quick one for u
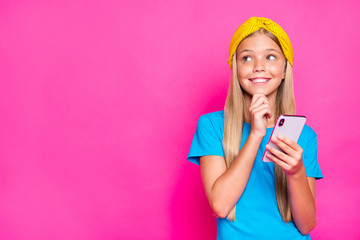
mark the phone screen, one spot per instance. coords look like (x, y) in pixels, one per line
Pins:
(289, 126)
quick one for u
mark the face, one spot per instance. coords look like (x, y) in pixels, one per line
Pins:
(260, 65)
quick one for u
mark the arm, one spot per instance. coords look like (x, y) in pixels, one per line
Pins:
(224, 186)
(301, 188)
(302, 202)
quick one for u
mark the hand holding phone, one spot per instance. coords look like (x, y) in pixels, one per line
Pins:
(289, 126)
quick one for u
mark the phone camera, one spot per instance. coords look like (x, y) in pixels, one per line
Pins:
(281, 122)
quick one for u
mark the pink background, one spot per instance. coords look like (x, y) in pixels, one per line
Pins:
(99, 102)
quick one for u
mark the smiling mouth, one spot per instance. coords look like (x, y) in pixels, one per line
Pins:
(259, 80)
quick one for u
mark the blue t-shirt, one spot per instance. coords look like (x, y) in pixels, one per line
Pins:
(257, 214)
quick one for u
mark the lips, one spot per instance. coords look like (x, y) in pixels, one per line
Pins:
(259, 80)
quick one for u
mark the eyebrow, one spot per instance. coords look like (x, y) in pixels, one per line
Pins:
(268, 49)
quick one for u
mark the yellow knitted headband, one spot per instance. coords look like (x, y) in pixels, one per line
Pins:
(252, 25)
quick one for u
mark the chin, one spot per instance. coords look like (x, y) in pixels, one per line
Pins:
(260, 92)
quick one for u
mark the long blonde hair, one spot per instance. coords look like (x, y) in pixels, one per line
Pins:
(234, 122)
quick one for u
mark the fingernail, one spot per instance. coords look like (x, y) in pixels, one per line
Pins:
(280, 137)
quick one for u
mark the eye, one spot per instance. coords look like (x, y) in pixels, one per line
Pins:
(246, 58)
(271, 57)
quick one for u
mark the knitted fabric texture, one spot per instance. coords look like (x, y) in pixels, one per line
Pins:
(252, 25)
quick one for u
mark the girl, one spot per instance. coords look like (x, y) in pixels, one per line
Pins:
(251, 198)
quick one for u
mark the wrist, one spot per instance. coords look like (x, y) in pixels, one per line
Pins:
(257, 136)
(301, 173)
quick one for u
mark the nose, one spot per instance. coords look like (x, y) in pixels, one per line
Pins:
(259, 66)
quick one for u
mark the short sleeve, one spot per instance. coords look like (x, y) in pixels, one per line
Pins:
(207, 140)
(310, 159)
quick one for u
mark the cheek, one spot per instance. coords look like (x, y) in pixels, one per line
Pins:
(243, 71)
(277, 71)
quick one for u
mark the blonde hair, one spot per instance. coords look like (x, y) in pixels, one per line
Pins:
(234, 122)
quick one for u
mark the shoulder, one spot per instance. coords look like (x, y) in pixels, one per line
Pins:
(308, 131)
(214, 116)
(308, 141)
(307, 137)
(214, 119)
(211, 123)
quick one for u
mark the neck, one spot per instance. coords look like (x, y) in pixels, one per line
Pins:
(272, 102)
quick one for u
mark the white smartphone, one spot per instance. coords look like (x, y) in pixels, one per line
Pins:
(289, 126)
